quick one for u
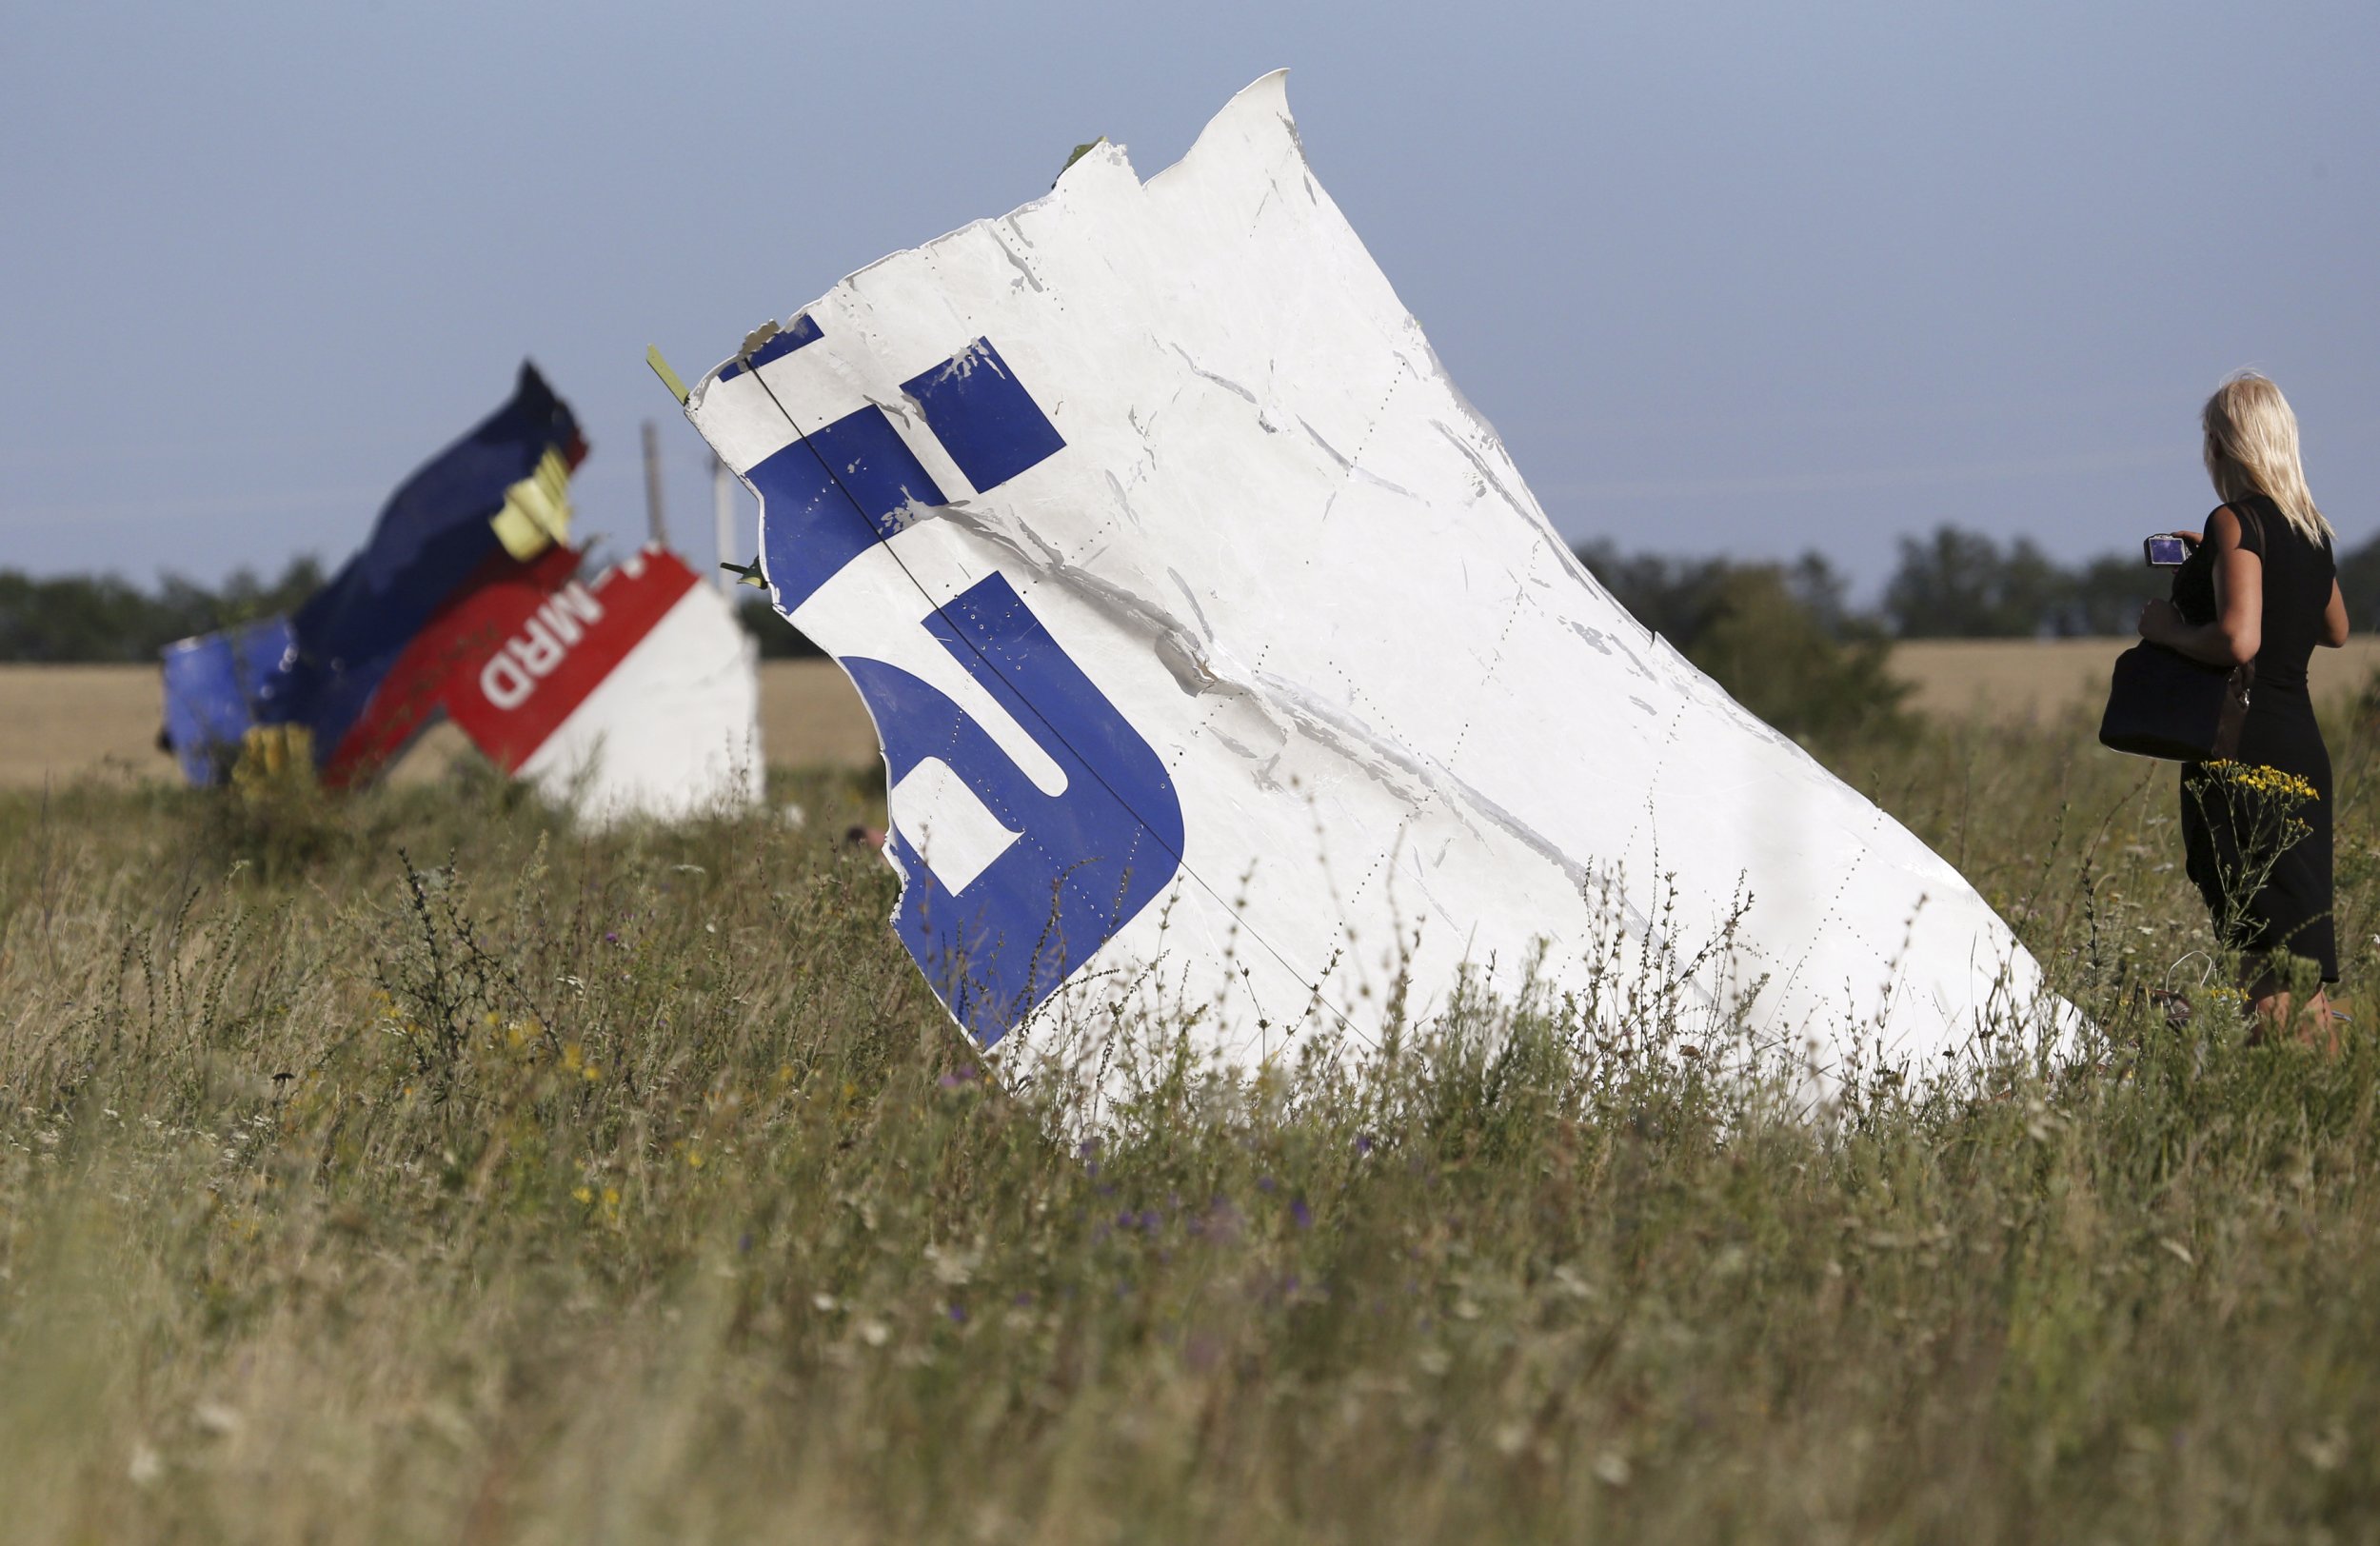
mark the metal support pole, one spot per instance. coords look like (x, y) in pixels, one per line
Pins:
(655, 522)
(723, 524)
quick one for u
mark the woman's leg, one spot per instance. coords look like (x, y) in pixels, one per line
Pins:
(2267, 992)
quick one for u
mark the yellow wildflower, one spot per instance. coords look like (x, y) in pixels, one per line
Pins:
(2259, 779)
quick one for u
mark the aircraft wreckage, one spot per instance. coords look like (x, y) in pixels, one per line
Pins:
(1228, 674)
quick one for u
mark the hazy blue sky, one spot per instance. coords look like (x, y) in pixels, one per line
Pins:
(1741, 278)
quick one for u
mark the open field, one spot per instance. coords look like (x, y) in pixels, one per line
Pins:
(630, 1187)
(61, 720)
(2041, 680)
(58, 721)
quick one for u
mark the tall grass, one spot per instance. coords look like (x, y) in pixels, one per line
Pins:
(412, 1167)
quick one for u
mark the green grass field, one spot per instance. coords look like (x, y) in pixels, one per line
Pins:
(411, 1168)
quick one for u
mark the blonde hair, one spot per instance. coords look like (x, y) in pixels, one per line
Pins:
(2252, 448)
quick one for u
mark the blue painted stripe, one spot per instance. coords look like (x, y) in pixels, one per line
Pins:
(984, 416)
(1088, 860)
(827, 499)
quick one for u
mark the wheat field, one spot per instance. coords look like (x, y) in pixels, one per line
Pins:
(65, 721)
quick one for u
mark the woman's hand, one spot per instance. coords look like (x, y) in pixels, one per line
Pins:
(2158, 621)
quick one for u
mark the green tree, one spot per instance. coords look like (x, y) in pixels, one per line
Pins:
(1962, 585)
(1674, 597)
(102, 618)
(2359, 582)
(778, 638)
(1781, 639)
(2104, 597)
(1773, 651)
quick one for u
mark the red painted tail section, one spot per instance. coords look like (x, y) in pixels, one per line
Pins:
(543, 655)
(414, 691)
(522, 646)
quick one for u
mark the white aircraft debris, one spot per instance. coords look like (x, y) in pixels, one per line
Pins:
(633, 693)
(1226, 669)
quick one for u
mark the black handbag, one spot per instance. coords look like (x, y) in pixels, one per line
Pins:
(2163, 704)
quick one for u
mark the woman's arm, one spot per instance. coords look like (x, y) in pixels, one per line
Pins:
(2335, 619)
(2238, 632)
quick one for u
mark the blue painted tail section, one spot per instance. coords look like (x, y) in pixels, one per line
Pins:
(431, 537)
(214, 687)
(322, 666)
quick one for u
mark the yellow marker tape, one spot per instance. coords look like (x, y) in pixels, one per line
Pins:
(272, 754)
(1080, 152)
(668, 377)
(537, 509)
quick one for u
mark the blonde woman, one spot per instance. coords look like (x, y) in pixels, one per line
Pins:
(2262, 585)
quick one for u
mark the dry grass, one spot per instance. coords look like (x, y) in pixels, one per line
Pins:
(555, 1187)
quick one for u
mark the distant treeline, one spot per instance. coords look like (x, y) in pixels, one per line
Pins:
(1779, 637)
(778, 640)
(1952, 584)
(81, 618)
(87, 619)
(1783, 639)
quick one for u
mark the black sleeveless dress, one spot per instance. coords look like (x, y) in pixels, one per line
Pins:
(2291, 911)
